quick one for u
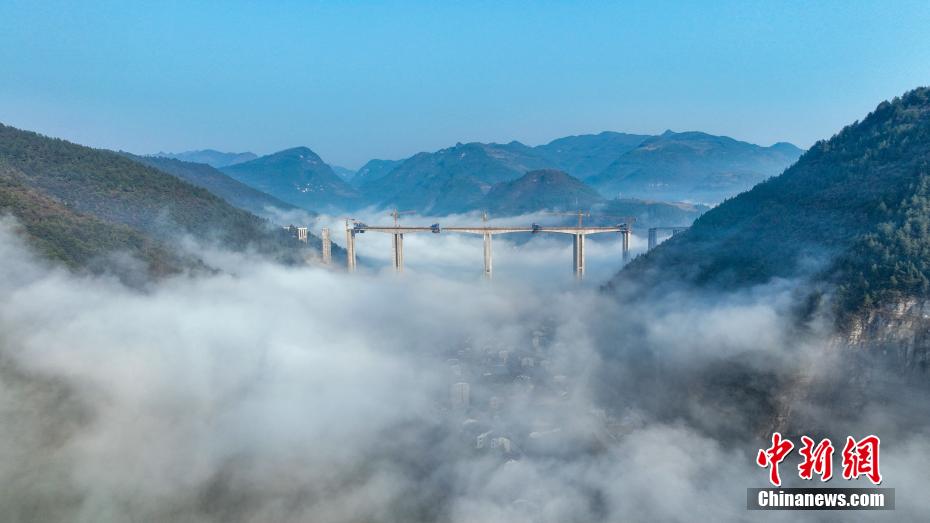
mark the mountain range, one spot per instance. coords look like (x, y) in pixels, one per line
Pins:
(688, 166)
(852, 215)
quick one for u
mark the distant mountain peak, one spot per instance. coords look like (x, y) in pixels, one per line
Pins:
(297, 176)
(786, 146)
(537, 190)
(297, 152)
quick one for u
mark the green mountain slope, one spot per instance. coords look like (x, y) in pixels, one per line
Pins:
(118, 191)
(79, 241)
(852, 214)
(213, 180)
(537, 190)
(297, 176)
(692, 166)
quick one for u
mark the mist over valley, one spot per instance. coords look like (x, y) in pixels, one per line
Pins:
(461, 263)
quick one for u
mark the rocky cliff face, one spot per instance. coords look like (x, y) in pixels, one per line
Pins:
(898, 334)
(875, 367)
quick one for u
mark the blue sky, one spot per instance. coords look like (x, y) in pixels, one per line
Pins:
(361, 80)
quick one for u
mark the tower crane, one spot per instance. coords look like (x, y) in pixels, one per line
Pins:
(581, 214)
(396, 214)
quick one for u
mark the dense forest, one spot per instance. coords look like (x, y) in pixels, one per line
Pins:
(78, 241)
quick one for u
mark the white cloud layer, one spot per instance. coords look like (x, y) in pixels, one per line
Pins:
(301, 394)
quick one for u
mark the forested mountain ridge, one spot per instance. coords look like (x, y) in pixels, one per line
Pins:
(233, 191)
(297, 176)
(689, 166)
(548, 189)
(78, 241)
(134, 202)
(852, 214)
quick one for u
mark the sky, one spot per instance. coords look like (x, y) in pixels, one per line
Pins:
(361, 80)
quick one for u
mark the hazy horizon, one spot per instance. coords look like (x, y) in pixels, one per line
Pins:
(356, 167)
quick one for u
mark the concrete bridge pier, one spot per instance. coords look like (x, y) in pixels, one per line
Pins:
(398, 247)
(350, 249)
(578, 250)
(653, 239)
(626, 245)
(487, 255)
(327, 253)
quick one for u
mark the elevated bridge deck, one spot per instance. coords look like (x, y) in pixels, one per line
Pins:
(578, 234)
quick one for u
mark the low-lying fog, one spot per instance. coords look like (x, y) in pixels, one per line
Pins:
(543, 259)
(271, 394)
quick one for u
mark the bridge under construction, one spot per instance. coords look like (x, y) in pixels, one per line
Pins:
(354, 228)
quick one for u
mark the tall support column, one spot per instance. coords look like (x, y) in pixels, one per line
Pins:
(398, 252)
(578, 249)
(350, 249)
(652, 239)
(487, 255)
(626, 244)
(327, 253)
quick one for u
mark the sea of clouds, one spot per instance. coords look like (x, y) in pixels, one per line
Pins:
(264, 393)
